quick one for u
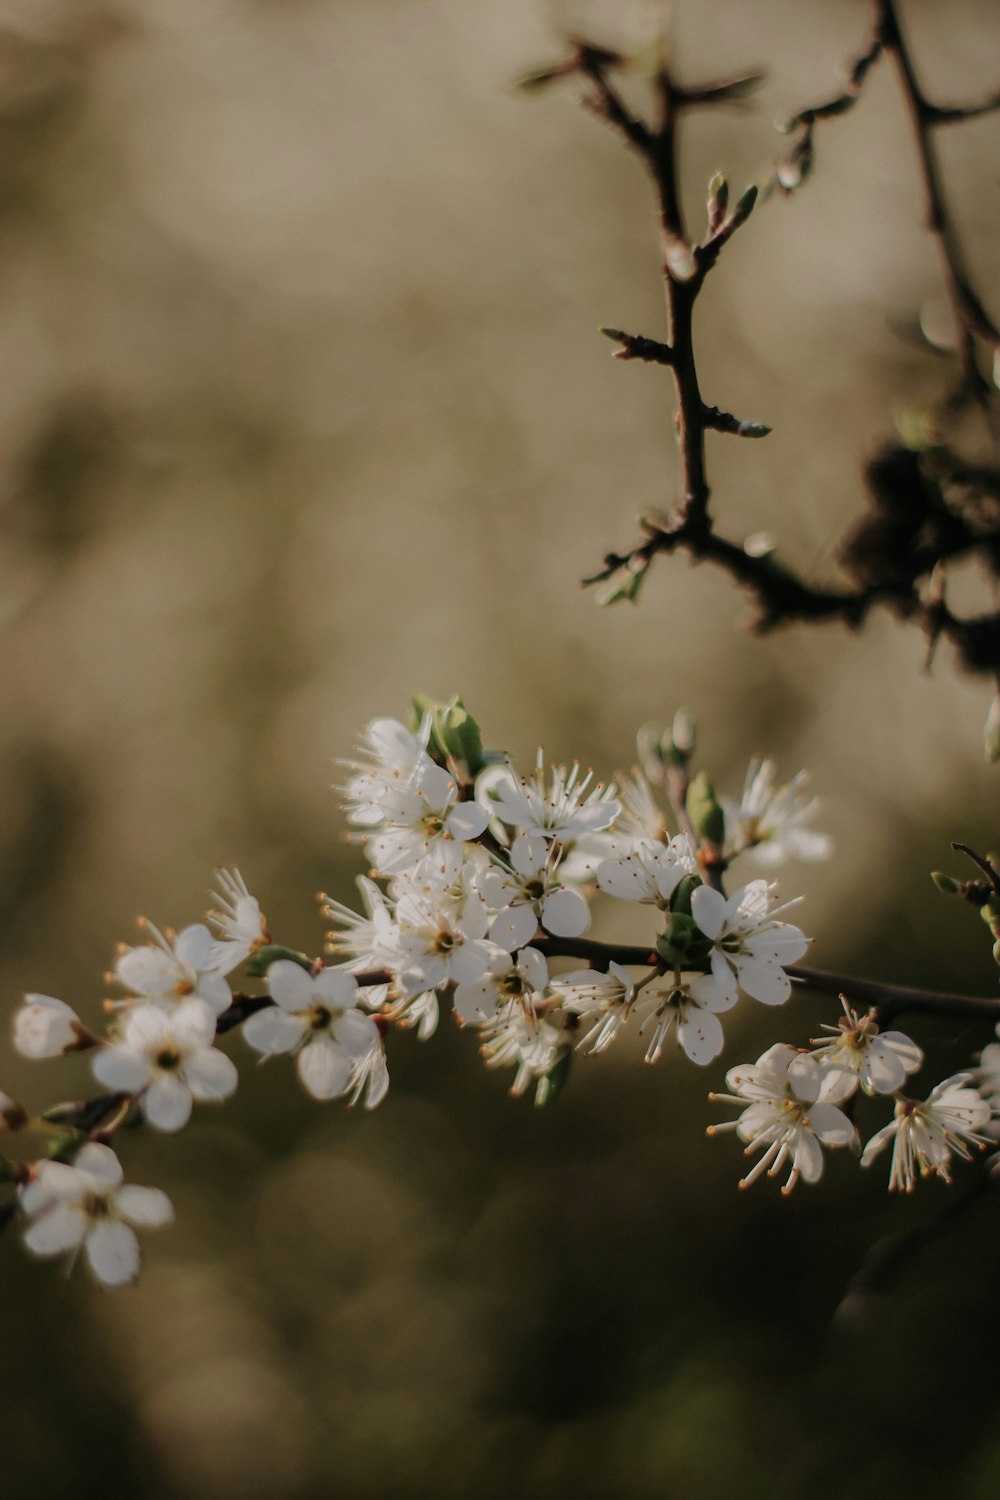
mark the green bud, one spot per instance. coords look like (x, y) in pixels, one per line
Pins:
(718, 200)
(552, 1083)
(270, 954)
(680, 901)
(946, 883)
(704, 810)
(454, 734)
(683, 733)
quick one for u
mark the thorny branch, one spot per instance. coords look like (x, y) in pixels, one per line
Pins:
(925, 508)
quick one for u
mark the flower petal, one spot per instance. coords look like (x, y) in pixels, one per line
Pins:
(167, 1103)
(113, 1253)
(210, 1074)
(323, 1068)
(565, 914)
(274, 1030)
(145, 1207)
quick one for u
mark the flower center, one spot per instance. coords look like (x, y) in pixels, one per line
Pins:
(444, 942)
(320, 1017)
(534, 889)
(168, 1059)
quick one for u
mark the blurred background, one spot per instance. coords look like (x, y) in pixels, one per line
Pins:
(303, 408)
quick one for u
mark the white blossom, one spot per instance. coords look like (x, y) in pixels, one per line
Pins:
(391, 754)
(771, 821)
(790, 1113)
(602, 1001)
(85, 1206)
(421, 816)
(438, 942)
(314, 1016)
(167, 1059)
(926, 1135)
(533, 1046)
(693, 1004)
(651, 873)
(238, 920)
(529, 893)
(364, 943)
(46, 1027)
(878, 1061)
(566, 809)
(750, 946)
(174, 966)
(506, 981)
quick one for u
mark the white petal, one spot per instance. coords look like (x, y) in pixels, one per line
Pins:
(709, 910)
(878, 1142)
(274, 1030)
(467, 821)
(145, 1207)
(290, 985)
(113, 1253)
(167, 1103)
(565, 914)
(210, 1074)
(336, 988)
(806, 1077)
(119, 1067)
(532, 967)
(700, 1034)
(831, 1125)
(476, 1002)
(194, 947)
(354, 1033)
(147, 971)
(62, 1228)
(215, 992)
(100, 1162)
(468, 961)
(808, 1157)
(323, 1068)
(627, 879)
(764, 982)
(711, 995)
(193, 1025)
(514, 927)
(146, 1028)
(528, 853)
(44, 1027)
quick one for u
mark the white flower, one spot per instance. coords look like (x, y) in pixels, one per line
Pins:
(316, 1017)
(179, 966)
(652, 872)
(420, 818)
(926, 1135)
(239, 921)
(791, 1111)
(879, 1061)
(166, 1057)
(771, 820)
(751, 948)
(529, 893)
(566, 810)
(506, 981)
(694, 1004)
(365, 942)
(86, 1206)
(437, 942)
(45, 1027)
(391, 754)
(605, 1000)
(534, 1047)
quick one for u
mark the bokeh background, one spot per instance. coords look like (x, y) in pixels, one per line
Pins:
(302, 409)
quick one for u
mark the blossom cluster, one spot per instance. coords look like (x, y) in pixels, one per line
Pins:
(479, 894)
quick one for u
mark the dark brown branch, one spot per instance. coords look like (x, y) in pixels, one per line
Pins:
(971, 318)
(635, 346)
(893, 999)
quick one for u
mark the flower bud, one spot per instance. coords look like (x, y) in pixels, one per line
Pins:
(947, 884)
(705, 812)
